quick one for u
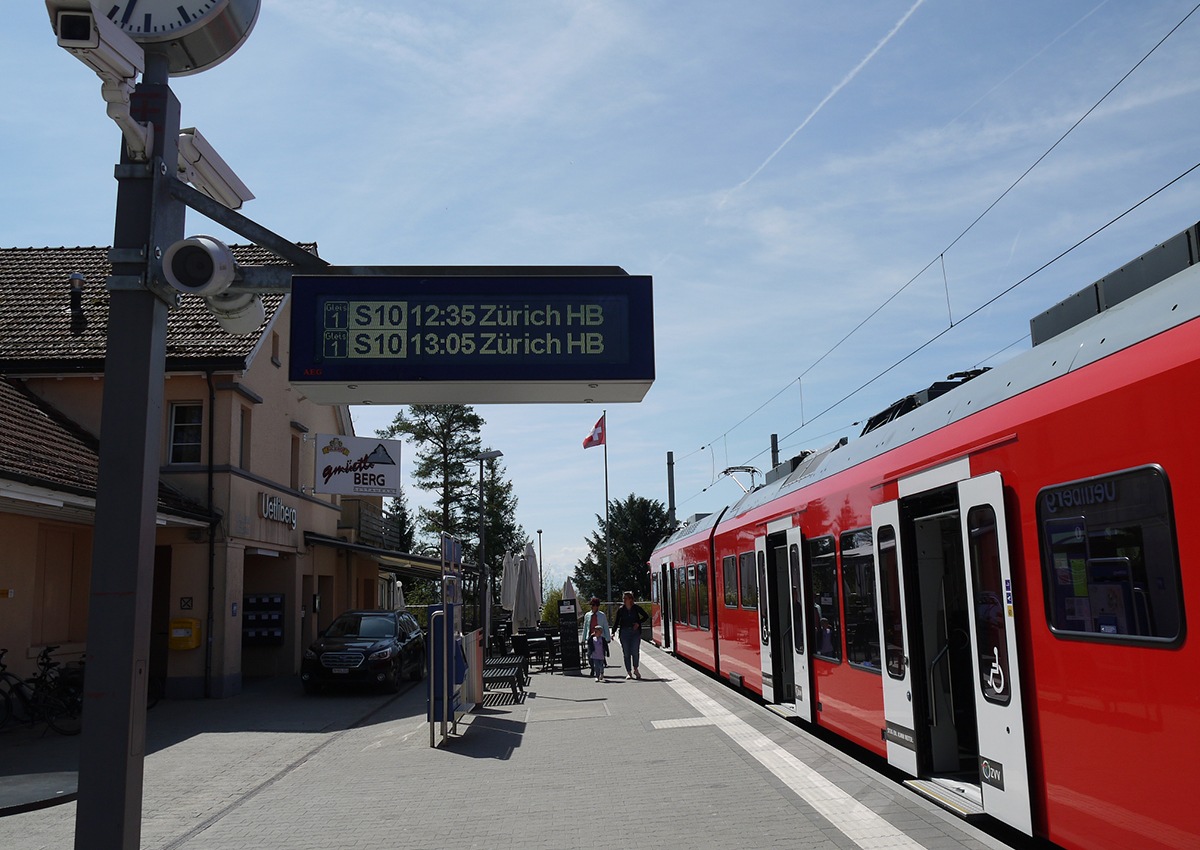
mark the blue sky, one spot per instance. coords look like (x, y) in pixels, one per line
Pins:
(780, 168)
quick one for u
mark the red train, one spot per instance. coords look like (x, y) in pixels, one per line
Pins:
(990, 586)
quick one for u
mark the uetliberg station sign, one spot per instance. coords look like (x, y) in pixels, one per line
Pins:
(452, 340)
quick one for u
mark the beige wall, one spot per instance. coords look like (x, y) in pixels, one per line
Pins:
(247, 552)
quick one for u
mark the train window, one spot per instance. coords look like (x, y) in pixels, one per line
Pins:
(729, 574)
(682, 593)
(748, 583)
(858, 587)
(1110, 567)
(893, 613)
(797, 598)
(827, 620)
(693, 611)
(991, 630)
(764, 616)
(702, 593)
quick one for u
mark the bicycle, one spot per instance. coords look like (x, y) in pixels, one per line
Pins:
(53, 696)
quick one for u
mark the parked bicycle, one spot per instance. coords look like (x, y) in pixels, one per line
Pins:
(53, 696)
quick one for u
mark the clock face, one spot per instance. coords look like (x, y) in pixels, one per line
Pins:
(156, 19)
(196, 34)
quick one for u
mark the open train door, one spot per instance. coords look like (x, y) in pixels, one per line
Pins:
(1003, 770)
(799, 626)
(899, 732)
(766, 600)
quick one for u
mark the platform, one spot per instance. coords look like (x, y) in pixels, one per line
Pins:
(674, 759)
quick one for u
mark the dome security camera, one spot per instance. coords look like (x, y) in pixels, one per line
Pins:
(199, 265)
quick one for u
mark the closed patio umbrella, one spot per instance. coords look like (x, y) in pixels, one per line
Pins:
(508, 582)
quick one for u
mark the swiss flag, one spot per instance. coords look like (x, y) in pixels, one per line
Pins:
(596, 438)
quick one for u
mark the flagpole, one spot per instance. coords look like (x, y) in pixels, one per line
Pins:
(607, 529)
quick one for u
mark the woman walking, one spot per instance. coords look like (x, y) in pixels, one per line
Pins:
(628, 623)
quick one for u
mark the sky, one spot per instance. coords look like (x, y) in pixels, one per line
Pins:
(830, 197)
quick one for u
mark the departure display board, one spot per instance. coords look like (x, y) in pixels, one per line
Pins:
(423, 340)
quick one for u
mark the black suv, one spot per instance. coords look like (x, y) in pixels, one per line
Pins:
(366, 647)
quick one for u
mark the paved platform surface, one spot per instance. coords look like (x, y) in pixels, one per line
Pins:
(675, 759)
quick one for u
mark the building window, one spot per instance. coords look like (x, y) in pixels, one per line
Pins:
(187, 429)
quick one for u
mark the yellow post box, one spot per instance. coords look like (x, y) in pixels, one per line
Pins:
(185, 633)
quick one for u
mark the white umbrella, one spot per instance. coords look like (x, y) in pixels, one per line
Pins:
(568, 589)
(526, 610)
(508, 582)
(531, 562)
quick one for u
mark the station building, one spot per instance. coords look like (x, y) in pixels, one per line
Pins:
(249, 561)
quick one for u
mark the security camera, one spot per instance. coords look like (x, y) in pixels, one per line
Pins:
(204, 266)
(238, 313)
(199, 265)
(95, 40)
(202, 166)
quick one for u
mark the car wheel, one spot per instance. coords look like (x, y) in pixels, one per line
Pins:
(392, 683)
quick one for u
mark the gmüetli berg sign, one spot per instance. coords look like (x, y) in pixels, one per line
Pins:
(357, 465)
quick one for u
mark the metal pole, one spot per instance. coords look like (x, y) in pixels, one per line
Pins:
(485, 601)
(112, 751)
(607, 529)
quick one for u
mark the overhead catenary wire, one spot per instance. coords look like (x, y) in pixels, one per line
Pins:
(940, 257)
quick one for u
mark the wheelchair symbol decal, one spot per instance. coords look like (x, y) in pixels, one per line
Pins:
(996, 674)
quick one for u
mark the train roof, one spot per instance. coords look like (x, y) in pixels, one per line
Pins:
(1130, 305)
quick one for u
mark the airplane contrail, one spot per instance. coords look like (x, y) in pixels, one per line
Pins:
(832, 93)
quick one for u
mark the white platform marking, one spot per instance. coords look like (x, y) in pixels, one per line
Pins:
(861, 825)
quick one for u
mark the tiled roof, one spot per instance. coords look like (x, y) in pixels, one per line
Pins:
(42, 447)
(35, 322)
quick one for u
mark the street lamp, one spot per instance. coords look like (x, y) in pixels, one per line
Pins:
(485, 575)
(541, 582)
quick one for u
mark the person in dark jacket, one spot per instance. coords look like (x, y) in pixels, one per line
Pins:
(627, 622)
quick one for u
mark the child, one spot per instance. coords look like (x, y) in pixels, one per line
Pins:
(597, 650)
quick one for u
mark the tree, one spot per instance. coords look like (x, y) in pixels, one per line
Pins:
(635, 526)
(503, 534)
(447, 436)
(401, 532)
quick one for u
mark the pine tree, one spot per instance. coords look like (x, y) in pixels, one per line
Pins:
(447, 439)
(400, 530)
(636, 526)
(503, 533)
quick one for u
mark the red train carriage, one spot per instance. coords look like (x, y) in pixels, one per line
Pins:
(988, 587)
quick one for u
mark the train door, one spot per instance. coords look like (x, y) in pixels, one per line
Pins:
(766, 621)
(952, 717)
(776, 634)
(900, 734)
(1003, 769)
(662, 595)
(796, 593)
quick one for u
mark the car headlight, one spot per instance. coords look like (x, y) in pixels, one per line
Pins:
(309, 654)
(381, 655)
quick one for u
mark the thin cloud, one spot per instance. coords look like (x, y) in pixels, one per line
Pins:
(832, 93)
